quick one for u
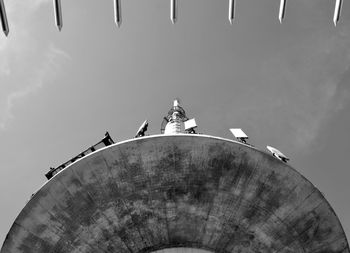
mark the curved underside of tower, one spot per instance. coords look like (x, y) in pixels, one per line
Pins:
(180, 191)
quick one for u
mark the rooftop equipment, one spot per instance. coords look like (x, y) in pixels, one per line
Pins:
(278, 154)
(239, 134)
(106, 141)
(142, 129)
(190, 125)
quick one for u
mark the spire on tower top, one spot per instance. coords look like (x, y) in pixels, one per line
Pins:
(176, 102)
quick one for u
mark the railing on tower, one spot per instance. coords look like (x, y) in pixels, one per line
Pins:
(106, 141)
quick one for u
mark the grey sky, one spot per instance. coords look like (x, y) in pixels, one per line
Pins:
(285, 85)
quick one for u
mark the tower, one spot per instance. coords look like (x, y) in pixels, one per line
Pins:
(173, 193)
(176, 118)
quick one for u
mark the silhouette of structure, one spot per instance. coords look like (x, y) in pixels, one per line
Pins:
(178, 190)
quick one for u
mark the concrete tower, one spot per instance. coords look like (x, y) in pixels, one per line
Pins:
(177, 192)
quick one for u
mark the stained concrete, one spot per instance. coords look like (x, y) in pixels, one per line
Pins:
(191, 191)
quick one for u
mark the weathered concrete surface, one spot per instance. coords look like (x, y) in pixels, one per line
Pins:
(163, 191)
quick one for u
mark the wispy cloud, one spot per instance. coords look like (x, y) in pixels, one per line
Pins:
(43, 73)
(26, 62)
(18, 6)
(297, 84)
(301, 88)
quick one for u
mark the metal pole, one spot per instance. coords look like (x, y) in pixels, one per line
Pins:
(173, 11)
(282, 10)
(337, 11)
(117, 13)
(231, 11)
(58, 14)
(3, 17)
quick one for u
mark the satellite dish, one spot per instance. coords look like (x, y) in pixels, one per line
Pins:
(239, 134)
(142, 129)
(278, 154)
(190, 125)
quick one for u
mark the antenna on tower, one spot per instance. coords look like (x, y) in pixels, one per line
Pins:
(177, 102)
(176, 121)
